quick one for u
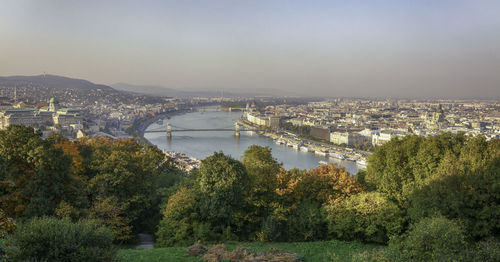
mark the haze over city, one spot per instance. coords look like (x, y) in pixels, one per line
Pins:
(327, 48)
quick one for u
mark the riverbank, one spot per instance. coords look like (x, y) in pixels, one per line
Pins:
(289, 139)
(203, 144)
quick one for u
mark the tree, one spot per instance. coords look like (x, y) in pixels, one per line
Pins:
(389, 168)
(179, 219)
(34, 173)
(17, 143)
(465, 187)
(297, 213)
(221, 181)
(50, 179)
(402, 165)
(127, 171)
(366, 216)
(326, 183)
(260, 193)
(112, 214)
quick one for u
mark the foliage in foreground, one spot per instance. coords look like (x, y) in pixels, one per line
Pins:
(431, 239)
(441, 239)
(253, 200)
(49, 239)
(365, 216)
(118, 182)
(455, 176)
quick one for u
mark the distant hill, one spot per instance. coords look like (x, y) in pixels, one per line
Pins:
(233, 92)
(150, 90)
(61, 82)
(51, 81)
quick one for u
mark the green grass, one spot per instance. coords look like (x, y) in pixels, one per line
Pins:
(320, 251)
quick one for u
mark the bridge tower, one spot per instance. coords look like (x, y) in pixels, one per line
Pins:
(169, 131)
(236, 130)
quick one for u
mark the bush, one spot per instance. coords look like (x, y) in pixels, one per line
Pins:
(431, 239)
(485, 251)
(49, 239)
(7, 249)
(366, 217)
(7, 224)
(375, 255)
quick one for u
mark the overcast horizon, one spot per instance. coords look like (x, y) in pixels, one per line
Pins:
(331, 48)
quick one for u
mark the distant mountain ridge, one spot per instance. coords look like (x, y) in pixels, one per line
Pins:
(52, 81)
(61, 82)
(232, 92)
(150, 90)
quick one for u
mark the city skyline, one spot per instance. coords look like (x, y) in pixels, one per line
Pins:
(363, 49)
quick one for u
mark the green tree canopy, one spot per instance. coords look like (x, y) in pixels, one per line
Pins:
(366, 216)
(465, 187)
(221, 181)
(33, 173)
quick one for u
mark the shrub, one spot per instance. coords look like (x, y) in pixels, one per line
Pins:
(375, 255)
(431, 239)
(7, 224)
(366, 216)
(7, 249)
(485, 251)
(49, 239)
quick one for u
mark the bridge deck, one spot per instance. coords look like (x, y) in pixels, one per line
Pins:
(202, 129)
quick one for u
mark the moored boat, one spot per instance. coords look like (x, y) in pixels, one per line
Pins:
(321, 153)
(337, 156)
(361, 162)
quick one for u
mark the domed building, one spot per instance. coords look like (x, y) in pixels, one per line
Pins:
(44, 116)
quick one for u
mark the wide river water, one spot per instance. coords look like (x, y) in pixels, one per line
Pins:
(200, 144)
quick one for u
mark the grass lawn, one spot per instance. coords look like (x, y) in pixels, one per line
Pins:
(332, 250)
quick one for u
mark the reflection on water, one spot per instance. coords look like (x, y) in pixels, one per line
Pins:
(202, 144)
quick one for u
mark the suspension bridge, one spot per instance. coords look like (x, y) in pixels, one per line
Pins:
(171, 128)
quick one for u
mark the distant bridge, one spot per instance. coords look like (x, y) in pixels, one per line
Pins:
(169, 130)
(200, 129)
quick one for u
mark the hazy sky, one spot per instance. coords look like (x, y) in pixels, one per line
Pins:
(335, 48)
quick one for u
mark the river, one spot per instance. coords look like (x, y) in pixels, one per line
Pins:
(200, 144)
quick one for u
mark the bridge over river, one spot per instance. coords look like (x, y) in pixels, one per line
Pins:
(236, 129)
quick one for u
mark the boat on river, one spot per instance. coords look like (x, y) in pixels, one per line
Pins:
(304, 149)
(336, 156)
(321, 152)
(361, 162)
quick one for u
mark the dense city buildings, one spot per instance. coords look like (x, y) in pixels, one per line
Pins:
(351, 128)
(357, 121)
(93, 111)
(342, 127)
